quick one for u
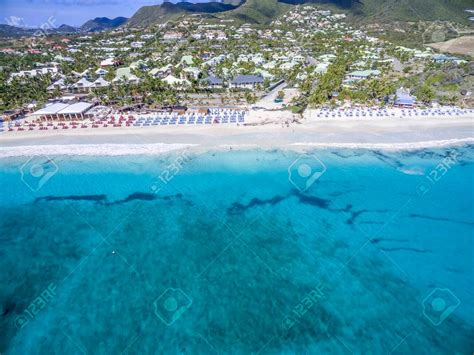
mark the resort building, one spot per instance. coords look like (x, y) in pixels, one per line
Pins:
(162, 72)
(35, 72)
(10, 115)
(108, 62)
(403, 98)
(246, 82)
(125, 75)
(212, 82)
(442, 58)
(177, 83)
(187, 60)
(100, 72)
(139, 65)
(299, 58)
(62, 111)
(214, 61)
(192, 72)
(57, 85)
(362, 74)
(137, 44)
(100, 83)
(173, 36)
(82, 85)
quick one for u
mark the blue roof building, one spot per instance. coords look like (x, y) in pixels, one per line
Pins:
(442, 58)
(247, 81)
(403, 98)
(212, 81)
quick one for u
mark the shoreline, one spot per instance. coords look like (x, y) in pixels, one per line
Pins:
(115, 150)
(386, 134)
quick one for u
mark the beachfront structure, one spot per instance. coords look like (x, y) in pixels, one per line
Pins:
(246, 82)
(62, 111)
(404, 99)
(10, 115)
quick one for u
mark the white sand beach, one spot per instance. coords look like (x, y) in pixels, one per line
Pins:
(363, 132)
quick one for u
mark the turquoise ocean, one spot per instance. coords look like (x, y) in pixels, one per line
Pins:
(236, 252)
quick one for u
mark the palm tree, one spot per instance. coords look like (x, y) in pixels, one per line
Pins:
(425, 94)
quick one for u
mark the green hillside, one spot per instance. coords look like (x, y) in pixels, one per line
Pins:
(414, 10)
(258, 11)
(103, 23)
(264, 11)
(156, 14)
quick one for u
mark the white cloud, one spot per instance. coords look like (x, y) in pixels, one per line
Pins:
(15, 21)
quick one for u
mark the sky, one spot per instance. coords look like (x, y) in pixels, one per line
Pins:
(35, 13)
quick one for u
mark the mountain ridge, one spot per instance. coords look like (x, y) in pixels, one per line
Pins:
(263, 11)
(103, 23)
(93, 25)
(155, 14)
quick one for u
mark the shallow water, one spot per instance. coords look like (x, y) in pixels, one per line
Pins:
(227, 254)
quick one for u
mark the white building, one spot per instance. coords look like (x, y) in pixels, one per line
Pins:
(35, 72)
(61, 111)
(100, 83)
(82, 85)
